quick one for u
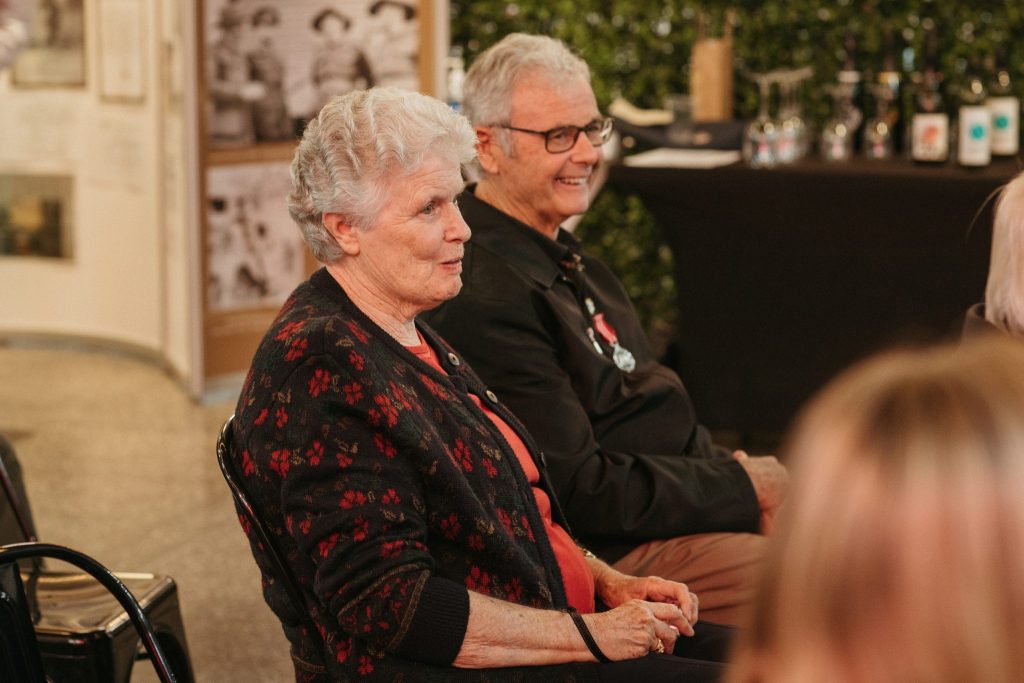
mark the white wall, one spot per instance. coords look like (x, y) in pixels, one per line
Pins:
(128, 279)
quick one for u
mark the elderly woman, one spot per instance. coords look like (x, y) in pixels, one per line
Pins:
(1003, 309)
(410, 503)
(898, 558)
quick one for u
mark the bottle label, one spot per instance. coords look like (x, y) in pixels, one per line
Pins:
(930, 137)
(974, 136)
(1005, 125)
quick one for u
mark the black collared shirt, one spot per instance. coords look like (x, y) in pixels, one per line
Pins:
(627, 457)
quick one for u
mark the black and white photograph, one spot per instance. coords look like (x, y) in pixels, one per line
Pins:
(54, 55)
(36, 213)
(255, 252)
(270, 66)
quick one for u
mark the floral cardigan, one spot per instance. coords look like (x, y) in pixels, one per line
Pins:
(390, 493)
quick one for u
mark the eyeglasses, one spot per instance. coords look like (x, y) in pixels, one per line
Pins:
(563, 138)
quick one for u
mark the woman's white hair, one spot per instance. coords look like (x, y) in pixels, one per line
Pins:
(1004, 291)
(487, 90)
(356, 145)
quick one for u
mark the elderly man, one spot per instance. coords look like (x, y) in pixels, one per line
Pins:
(553, 332)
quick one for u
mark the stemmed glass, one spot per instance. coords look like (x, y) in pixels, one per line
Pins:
(794, 135)
(760, 141)
(837, 135)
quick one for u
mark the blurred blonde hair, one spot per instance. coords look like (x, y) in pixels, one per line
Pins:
(898, 557)
(1004, 291)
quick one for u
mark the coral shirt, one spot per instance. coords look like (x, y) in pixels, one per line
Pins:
(576, 575)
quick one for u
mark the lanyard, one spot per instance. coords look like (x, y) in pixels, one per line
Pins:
(573, 269)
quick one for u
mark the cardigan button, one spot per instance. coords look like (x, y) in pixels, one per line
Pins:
(454, 359)
(490, 396)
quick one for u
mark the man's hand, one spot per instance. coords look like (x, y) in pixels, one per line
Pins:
(770, 479)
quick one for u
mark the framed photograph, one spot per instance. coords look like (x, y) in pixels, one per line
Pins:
(122, 63)
(271, 65)
(255, 254)
(55, 54)
(36, 215)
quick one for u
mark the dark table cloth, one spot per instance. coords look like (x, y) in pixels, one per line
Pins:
(786, 276)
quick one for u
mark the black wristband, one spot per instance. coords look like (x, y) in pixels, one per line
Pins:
(581, 626)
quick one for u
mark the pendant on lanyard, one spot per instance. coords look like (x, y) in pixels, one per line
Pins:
(620, 355)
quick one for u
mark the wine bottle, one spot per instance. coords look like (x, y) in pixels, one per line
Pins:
(1005, 109)
(849, 79)
(890, 77)
(879, 142)
(974, 130)
(456, 74)
(929, 126)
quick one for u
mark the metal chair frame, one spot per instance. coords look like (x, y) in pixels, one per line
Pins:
(20, 659)
(17, 551)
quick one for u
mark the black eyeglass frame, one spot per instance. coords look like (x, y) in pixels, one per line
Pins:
(601, 127)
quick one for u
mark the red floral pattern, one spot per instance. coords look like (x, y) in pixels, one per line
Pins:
(353, 392)
(315, 452)
(248, 466)
(478, 580)
(451, 527)
(298, 347)
(319, 383)
(376, 473)
(351, 499)
(279, 461)
(384, 446)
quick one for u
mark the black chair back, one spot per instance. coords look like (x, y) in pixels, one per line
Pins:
(16, 516)
(283, 573)
(10, 554)
(20, 660)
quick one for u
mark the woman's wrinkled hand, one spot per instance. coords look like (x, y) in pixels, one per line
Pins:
(637, 627)
(616, 588)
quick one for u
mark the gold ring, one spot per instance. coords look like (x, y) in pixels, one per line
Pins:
(660, 649)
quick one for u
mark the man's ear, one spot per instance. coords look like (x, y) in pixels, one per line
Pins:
(343, 232)
(488, 150)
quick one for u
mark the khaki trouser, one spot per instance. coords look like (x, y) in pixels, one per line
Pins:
(720, 568)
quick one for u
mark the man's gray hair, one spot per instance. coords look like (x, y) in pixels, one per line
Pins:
(1004, 291)
(487, 91)
(350, 152)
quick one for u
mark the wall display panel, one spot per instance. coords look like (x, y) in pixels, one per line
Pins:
(55, 54)
(36, 213)
(266, 68)
(254, 251)
(271, 66)
(122, 41)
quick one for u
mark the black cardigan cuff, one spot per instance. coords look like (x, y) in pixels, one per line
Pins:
(438, 625)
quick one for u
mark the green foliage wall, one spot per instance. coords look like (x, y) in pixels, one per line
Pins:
(639, 49)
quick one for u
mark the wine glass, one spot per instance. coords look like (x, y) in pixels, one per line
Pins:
(837, 135)
(794, 134)
(760, 140)
(680, 131)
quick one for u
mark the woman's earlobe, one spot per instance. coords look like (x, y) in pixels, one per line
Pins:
(342, 231)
